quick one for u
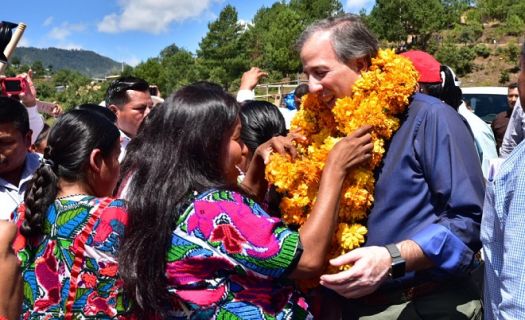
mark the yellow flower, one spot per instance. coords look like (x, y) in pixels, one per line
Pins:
(350, 236)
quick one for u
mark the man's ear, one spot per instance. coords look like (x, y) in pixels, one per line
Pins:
(362, 64)
(95, 161)
(27, 139)
(114, 109)
(358, 64)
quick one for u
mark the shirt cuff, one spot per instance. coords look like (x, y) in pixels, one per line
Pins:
(442, 247)
(245, 94)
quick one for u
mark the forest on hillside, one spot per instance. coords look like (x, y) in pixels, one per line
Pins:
(86, 62)
(457, 32)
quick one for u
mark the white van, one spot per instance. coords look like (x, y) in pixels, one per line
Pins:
(486, 102)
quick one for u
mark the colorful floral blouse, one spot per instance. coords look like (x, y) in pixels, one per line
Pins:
(229, 260)
(46, 262)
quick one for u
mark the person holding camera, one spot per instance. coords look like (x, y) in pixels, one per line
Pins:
(22, 88)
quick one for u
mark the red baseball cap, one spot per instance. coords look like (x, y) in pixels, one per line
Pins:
(427, 66)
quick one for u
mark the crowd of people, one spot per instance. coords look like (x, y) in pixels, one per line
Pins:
(134, 210)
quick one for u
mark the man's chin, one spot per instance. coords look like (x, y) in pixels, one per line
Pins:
(330, 103)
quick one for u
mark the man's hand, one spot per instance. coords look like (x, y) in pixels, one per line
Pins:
(50, 108)
(370, 269)
(57, 110)
(251, 78)
(28, 97)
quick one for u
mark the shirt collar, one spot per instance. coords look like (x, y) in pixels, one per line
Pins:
(31, 163)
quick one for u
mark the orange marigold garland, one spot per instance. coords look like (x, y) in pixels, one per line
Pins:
(379, 96)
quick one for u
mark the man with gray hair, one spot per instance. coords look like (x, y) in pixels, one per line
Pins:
(423, 230)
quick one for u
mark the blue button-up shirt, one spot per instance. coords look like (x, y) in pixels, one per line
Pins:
(430, 190)
(503, 237)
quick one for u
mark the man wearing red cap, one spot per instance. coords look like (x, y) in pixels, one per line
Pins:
(440, 81)
(423, 229)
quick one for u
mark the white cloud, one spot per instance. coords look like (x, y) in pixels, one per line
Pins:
(65, 30)
(153, 16)
(69, 46)
(48, 22)
(355, 6)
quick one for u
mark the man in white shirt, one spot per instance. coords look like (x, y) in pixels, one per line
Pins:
(515, 131)
(130, 100)
(17, 164)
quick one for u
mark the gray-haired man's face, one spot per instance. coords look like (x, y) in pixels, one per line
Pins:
(328, 77)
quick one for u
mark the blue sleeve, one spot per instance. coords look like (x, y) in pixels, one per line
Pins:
(448, 159)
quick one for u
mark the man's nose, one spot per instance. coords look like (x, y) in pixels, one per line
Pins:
(148, 110)
(314, 85)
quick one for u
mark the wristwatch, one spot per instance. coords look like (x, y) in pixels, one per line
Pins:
(397, 269)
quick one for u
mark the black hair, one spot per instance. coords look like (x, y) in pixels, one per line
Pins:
(177, 151)
(5, 37)
(451, 94)
(69, 145)
(42, 135)
(513, 85)
(12, 111)
(105, 112)
(116, 93)
(260, 121)
(301, 90)
(434, 89)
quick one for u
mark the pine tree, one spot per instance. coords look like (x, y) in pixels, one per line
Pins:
(220, 51)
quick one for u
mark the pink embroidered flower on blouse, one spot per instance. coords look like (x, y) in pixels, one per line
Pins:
(231, 239)
(256, 230)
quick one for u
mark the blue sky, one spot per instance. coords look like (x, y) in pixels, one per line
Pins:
(127, 30)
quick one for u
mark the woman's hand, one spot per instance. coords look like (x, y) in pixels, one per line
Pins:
(279, 144)
(350, 151)
(254, 182)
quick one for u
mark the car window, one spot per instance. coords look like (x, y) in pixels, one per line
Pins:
(486, 106)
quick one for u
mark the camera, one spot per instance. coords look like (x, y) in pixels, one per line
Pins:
(12, 86)
(153, 90)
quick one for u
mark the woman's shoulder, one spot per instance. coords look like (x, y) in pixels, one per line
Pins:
(112, 209)
(233, 199)
(226, 202)
(224, 195)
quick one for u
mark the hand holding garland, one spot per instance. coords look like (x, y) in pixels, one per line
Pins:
(254, 182)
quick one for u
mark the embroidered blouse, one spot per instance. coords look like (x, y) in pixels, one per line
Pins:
(229, 259)
(47, 261)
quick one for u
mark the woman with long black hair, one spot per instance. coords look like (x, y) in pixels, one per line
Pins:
(197, 245)
(69, 227)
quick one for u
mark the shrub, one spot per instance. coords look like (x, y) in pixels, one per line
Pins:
(504, 77)
(482, 50)
(460, 59)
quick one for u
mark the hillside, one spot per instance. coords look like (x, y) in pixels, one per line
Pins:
(487, 71)
(86, 62)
